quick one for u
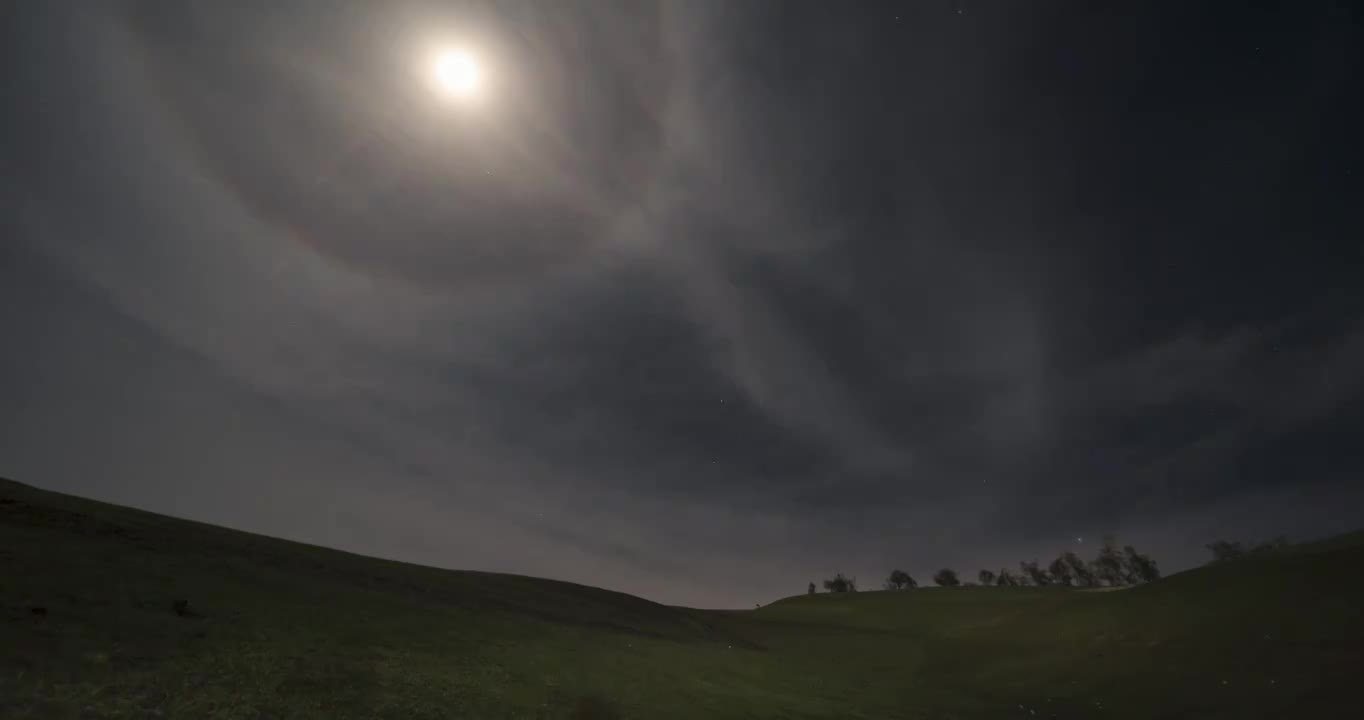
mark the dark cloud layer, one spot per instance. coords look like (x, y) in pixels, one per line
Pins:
(708, 299)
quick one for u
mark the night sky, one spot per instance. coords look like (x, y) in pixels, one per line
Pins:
(697, 301)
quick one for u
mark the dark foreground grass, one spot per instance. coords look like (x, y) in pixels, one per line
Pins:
(90, 628)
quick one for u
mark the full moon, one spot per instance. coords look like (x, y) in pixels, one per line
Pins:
(456, 73)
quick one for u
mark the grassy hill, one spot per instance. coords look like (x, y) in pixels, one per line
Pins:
(89, 628)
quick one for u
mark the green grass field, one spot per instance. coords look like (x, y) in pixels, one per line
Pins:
(274, 629)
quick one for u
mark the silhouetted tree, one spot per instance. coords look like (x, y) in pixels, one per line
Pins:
(810, 590)
(986, 577)
(1060, 572)
(1223, 550)
(1107, 565)
(946, 577)
(1006, 578)
(900, 580)
(1080, 573)
(1138, 568)
(1035, 574)
(841, 583)
(1278, 543)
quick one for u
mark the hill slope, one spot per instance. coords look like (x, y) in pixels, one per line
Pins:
(89, 628)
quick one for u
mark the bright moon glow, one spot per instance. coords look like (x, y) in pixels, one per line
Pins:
(457, 73)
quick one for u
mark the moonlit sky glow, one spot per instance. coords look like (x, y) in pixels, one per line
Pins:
(698, 300)
(458, 72)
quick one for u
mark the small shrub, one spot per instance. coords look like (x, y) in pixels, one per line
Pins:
(1223, 550)
(899, 580)
(840, 583)
(946, 577)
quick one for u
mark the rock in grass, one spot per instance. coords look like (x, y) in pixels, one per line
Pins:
(181, 608)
